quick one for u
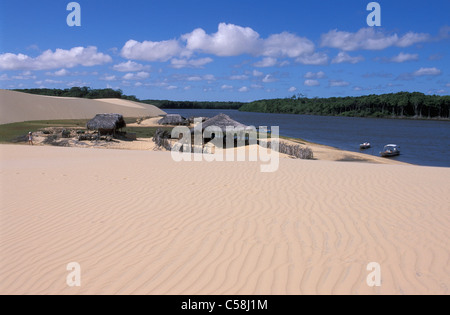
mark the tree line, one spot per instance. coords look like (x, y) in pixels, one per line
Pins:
(193, 105)
(81, 92)
(398, 105)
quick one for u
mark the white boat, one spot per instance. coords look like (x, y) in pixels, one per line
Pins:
(365, 146)
(390, 150)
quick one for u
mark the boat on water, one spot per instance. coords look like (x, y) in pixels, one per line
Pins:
(390, 150)
(365, 146)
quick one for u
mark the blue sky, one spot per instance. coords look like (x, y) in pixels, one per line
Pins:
(227, 50)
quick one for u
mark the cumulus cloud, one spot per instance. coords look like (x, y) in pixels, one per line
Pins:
(60, 58)
(338, 83)
(229, 40)
(269, 79)
(244, 89)
(427, 72)
(239, 77)
(402, 57)
(190, 63)
(292, 89)
(370, 39)
(343, 57)
(226, 87)
(136, 76)
(151, 51)
(316, 59)
(311, 83)
(59, 73)
(257, 73)
(315, 75)
(130, 66)
(109, 78)
(287, 45)
(266, 62)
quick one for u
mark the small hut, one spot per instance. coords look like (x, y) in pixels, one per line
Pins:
(173, 120)
(222, 121)
(106, 124)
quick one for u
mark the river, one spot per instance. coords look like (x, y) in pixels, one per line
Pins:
(422, 142)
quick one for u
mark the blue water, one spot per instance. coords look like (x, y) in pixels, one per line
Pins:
(422, 142)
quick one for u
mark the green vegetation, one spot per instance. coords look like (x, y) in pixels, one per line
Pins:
(193, 105)
(145, 132)
(81, 92)
(399, 105)
(10, 132)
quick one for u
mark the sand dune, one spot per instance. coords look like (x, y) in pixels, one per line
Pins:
(139, 223)
(18, 107)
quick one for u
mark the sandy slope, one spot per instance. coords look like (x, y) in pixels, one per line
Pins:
(137, 222)
(17, 107)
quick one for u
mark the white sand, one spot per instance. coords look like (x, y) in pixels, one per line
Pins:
(18, 107)
(137, 222)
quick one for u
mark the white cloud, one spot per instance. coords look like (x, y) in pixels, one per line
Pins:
(235, 40)
(130, 66)
(266, 62)
(338, 83)
(292, 89)
(59, 73)
(138, 84)
(427, 71)
(136, 76)
(402, 57)
(257, 73)
(315, 59)
(315, 75)
(172, 87)
(109, 78)
(206, 77)
(229, 40)
(343, 57)
(244, 89)
(447, 85)
(60, 58)
(151, 51)
(269, 79)
(311, 83)
(287, 45)
(192, 63)
(256, 86)
(4, 77)
(369, 39)
(239, 77)
(226, 87)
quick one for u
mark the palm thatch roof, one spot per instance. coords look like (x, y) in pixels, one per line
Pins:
(172, 119)
(222, 121)
(106, 122)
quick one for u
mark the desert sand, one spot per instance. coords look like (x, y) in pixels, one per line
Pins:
(18, 107)
(139, 223)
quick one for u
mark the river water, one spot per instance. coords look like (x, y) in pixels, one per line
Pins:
(421, 142)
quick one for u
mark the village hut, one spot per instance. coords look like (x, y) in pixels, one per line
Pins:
(106, 124)
(223, 121)
(173, 120)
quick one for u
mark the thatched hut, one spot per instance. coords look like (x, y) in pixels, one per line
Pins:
(173, 120)
(106, 124)
(223, 121)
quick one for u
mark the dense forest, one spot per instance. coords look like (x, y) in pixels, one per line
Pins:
(403, 104)
(86, 92)
(81, 92)
(194, 105)
(398, 105)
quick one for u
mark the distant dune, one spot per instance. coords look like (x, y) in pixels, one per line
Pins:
(18, 107)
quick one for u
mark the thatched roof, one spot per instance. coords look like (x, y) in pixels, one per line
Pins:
(222, 121)
(172, 119)
(106, 122)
